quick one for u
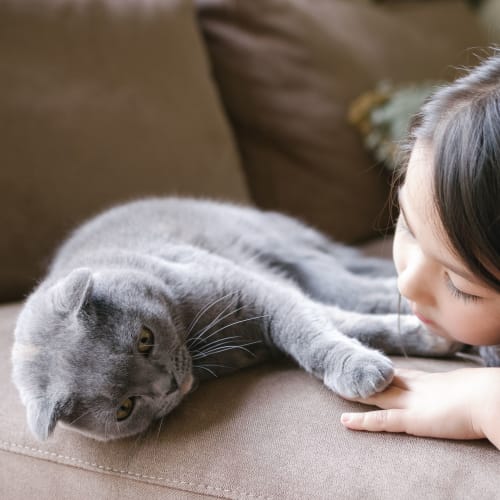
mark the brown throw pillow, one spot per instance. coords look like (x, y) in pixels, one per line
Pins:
(288, 70)
(97, 106)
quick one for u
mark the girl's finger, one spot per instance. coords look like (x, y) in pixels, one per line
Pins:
(376, 421)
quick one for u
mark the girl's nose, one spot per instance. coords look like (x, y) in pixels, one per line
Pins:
(415, 281)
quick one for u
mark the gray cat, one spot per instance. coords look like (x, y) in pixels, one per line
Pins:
(150, 297)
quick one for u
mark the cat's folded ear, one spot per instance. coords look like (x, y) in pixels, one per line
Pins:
(72, 292)
(43, 416)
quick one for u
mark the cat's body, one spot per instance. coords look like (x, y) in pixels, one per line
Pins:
(149, 297)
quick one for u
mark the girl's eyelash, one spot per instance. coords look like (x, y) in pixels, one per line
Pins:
(466, 297)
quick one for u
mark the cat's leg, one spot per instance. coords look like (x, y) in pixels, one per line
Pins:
(356, 262)
(291, 322)
(392, 333)
(377, 296)
(301, 328)
(303, 242)
(340, 275)
(327, 281)
(371, 266)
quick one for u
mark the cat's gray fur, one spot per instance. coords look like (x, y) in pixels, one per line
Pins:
(221, 287)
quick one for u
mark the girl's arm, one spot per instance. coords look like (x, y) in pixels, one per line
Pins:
(461, 404)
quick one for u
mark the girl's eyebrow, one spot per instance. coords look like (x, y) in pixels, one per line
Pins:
(460, 272)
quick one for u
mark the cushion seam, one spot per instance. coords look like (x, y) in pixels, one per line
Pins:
(129, 474)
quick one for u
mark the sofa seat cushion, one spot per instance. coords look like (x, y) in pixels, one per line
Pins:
(269, 432)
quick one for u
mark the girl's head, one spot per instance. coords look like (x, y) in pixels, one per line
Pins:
(447, 245)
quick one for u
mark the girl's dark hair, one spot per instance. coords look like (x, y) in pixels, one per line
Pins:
(461, 123)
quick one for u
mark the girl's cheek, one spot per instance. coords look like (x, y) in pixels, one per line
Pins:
(462, 326)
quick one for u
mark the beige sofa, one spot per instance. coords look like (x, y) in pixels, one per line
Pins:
(231, 99)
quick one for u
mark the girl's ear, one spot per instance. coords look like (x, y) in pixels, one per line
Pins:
(43, 416)
(71, 293)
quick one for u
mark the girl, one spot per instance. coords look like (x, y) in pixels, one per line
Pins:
(447, 254)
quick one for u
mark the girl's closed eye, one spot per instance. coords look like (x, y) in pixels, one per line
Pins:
(466, 297)
(454, 290)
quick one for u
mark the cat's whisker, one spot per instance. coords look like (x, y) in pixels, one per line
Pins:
(199, 335)
(223, 342)
(204, 310)
(106, 425)
(159, 428)
(215, 350)
(208, 370)
(137, 442)
(214, 365)
(238, 322)
(220, 341)
(207, 328)
(207, 354)
(81, 416)
(227, 348)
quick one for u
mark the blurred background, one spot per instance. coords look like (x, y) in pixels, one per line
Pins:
(292, 105)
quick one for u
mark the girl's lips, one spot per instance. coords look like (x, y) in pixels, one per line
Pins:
(432, 326)
(423, 319)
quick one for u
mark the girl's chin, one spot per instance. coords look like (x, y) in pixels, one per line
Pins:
(439, 331)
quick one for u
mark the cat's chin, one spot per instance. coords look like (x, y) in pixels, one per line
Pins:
(188, 385)
(87, 433)
(98, 437)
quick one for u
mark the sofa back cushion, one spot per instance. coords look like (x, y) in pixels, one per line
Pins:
(100, 103)
(288, 70)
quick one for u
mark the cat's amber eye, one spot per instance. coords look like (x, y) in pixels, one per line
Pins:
(125, 409)
(146, 341)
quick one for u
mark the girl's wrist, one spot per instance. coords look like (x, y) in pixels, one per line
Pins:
(485, 410)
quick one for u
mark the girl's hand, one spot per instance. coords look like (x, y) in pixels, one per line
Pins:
(461, 404)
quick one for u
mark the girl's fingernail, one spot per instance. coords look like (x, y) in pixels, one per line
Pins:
(345, 418)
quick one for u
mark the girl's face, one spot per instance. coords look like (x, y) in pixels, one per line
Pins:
(443, 293)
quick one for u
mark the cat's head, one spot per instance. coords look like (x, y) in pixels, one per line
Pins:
(101, 352)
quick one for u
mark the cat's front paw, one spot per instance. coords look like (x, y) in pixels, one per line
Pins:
(360, 374)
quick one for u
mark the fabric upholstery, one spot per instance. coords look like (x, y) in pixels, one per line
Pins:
(271, 432)
(288, 70)
(99, 105)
